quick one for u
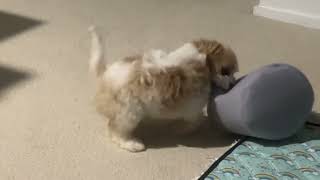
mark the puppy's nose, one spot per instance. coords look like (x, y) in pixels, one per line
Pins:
(225, 72)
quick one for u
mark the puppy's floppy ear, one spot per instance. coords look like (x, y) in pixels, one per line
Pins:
(213, 51)
(208, 46)
(213, 60)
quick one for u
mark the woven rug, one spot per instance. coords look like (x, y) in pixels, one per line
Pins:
(296, 158)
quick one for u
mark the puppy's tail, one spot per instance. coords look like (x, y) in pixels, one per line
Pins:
(97, 64)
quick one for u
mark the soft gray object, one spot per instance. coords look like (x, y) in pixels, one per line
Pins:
(272, 102)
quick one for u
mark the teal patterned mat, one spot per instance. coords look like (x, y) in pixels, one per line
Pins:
(297, 158)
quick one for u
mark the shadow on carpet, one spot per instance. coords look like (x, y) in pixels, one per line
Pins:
(13, 24)
(164, 136)
(10, 77)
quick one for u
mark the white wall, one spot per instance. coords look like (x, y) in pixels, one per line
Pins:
(302, 12)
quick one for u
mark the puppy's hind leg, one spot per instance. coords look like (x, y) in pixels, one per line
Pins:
(122, 128)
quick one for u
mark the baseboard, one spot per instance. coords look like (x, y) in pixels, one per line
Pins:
(307, 20)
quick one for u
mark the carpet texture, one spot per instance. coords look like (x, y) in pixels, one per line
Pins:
(49, 128)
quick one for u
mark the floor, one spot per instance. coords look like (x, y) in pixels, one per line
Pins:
(49, 128)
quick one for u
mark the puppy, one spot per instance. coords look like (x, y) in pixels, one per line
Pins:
(158, 85)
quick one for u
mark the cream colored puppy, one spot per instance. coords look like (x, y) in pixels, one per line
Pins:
(157, 85)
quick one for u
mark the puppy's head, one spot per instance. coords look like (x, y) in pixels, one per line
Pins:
(220, 60)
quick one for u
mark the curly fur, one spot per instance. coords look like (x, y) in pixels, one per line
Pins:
(155, 85)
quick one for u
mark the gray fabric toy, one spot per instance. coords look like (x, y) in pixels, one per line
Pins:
(272, 102)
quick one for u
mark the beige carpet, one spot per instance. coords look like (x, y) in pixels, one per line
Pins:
(49, 129)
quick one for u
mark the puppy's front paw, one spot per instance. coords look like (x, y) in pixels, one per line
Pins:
(132, 145)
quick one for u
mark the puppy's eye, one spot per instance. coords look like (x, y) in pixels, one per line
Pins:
(225, 72)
